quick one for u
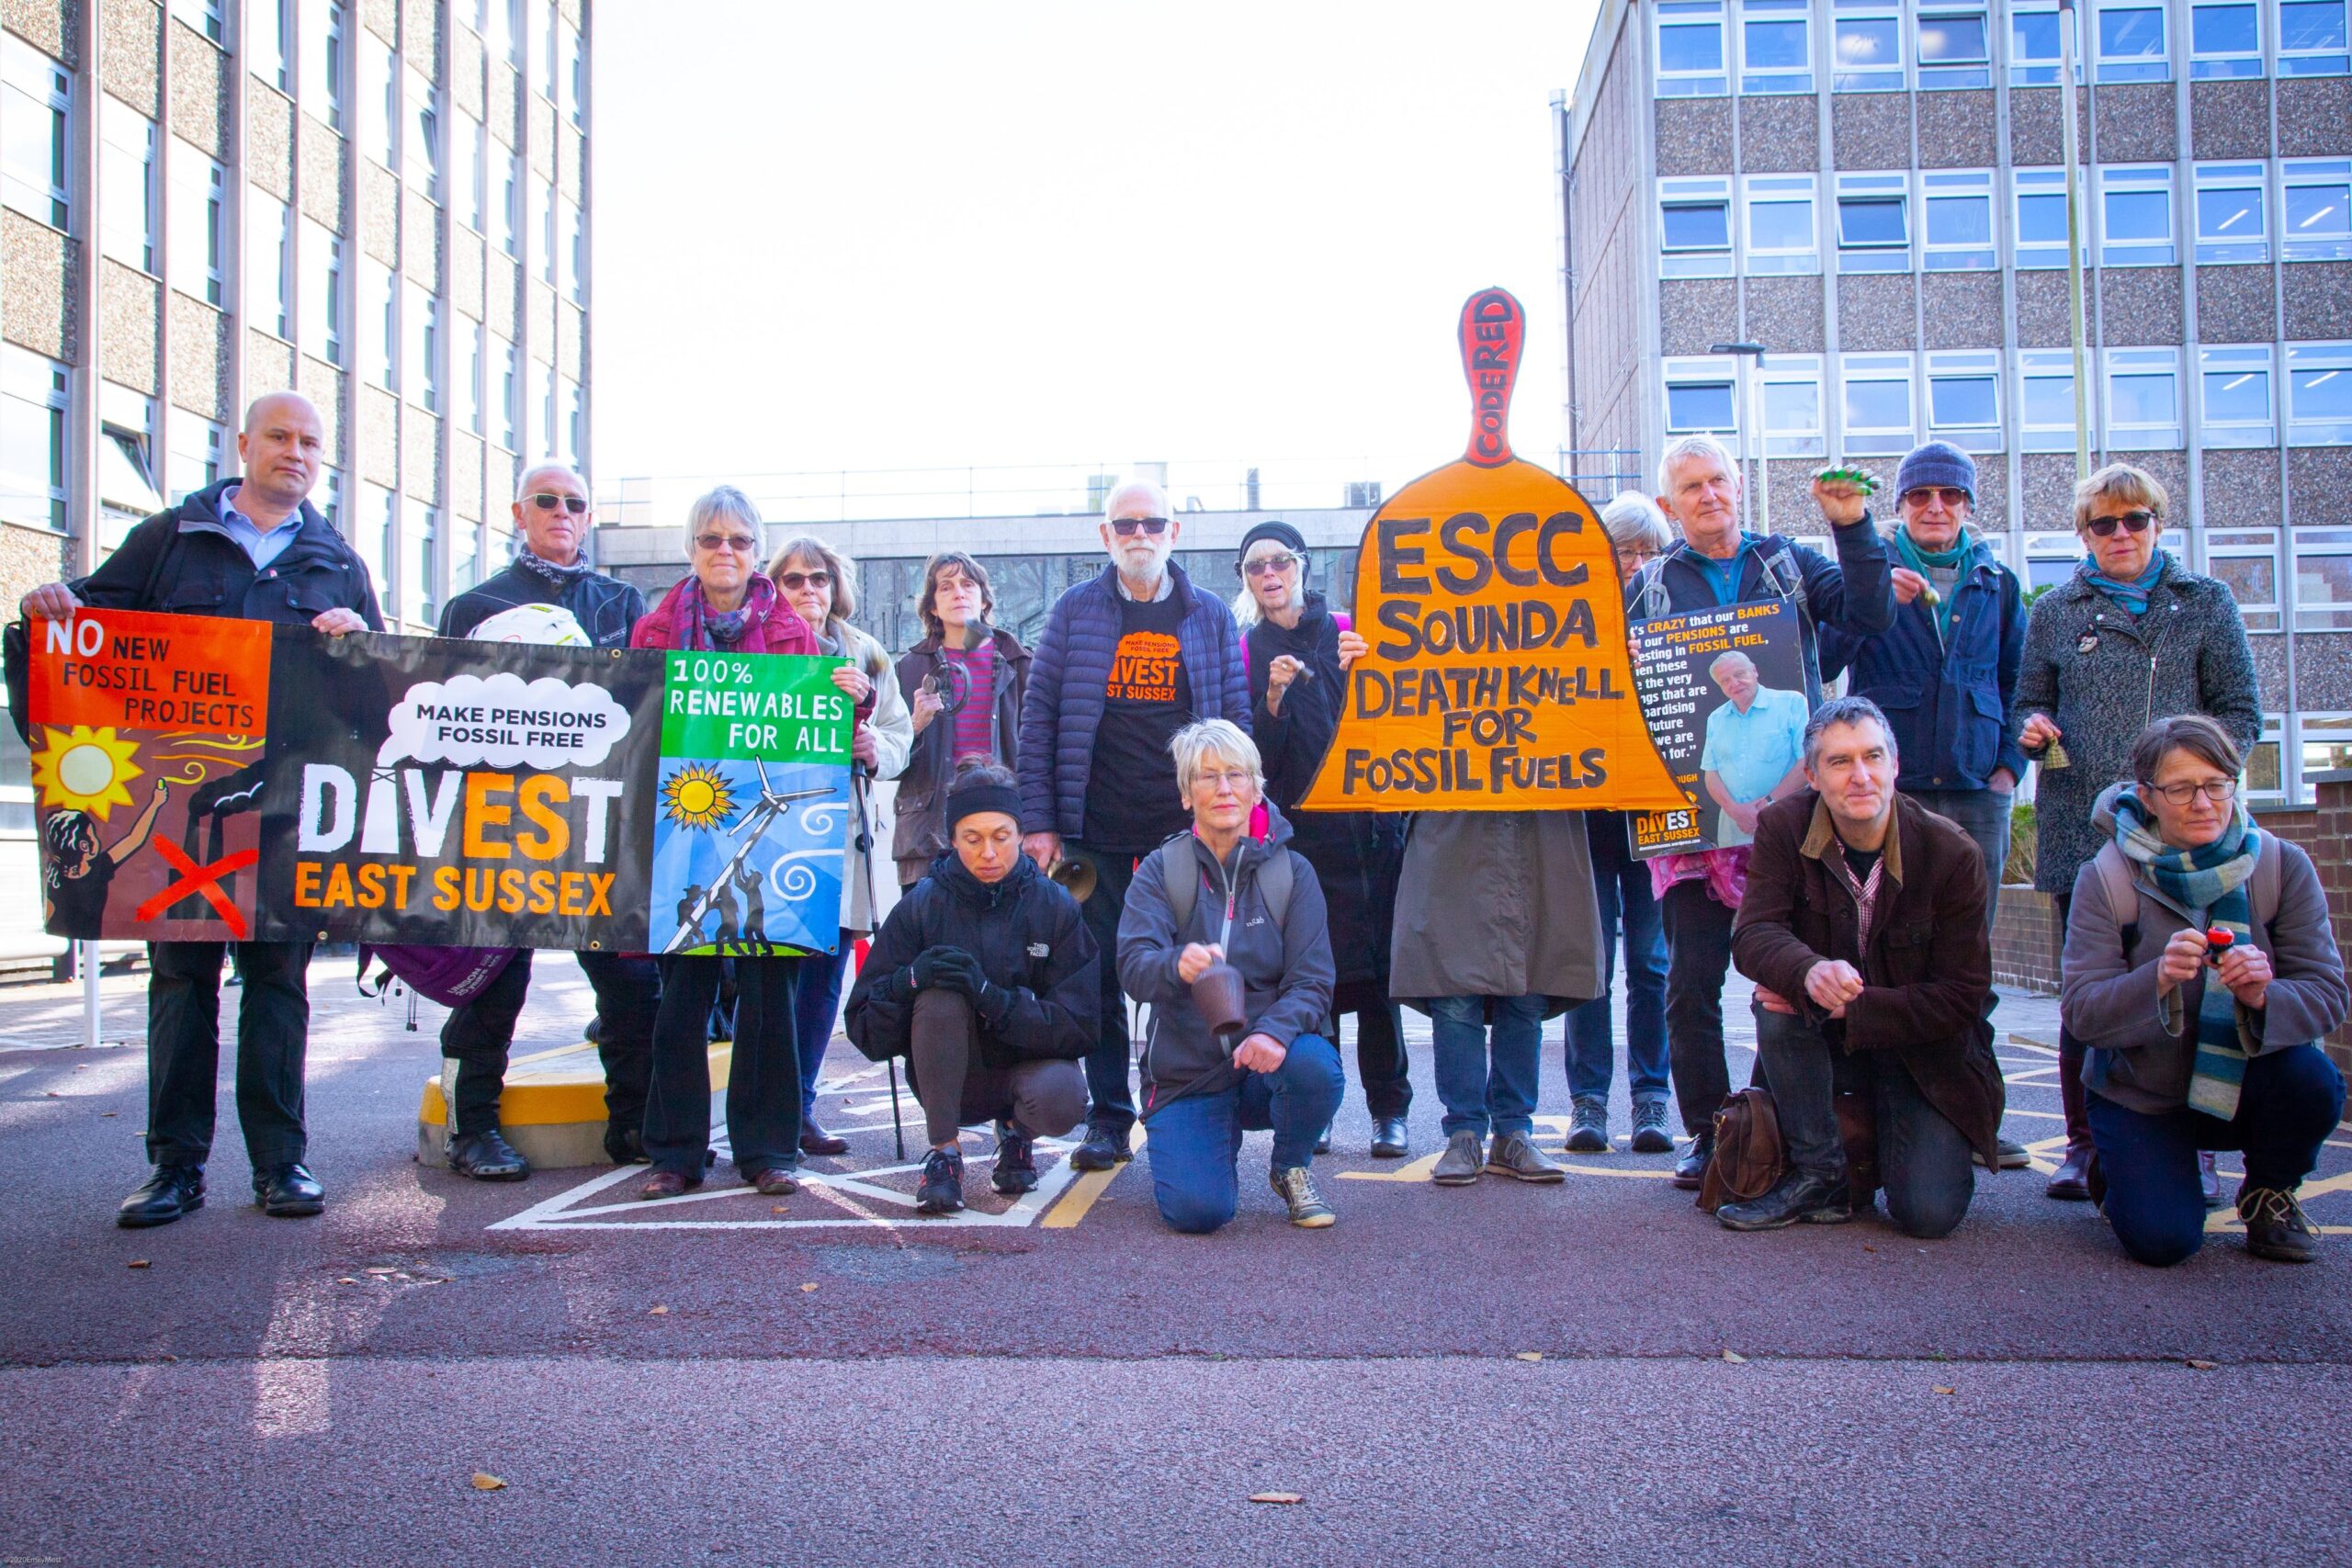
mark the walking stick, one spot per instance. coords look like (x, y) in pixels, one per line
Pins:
(897, 1126)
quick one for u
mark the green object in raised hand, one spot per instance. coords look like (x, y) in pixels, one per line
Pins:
(1840, 473)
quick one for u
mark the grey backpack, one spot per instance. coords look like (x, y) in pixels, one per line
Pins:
(1182, 873)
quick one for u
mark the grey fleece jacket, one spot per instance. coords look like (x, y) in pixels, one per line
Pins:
(2141, 1049)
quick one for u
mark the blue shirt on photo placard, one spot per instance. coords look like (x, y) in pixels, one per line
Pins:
(1752, 751)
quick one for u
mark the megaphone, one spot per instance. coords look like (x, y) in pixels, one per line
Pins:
(1076, 876)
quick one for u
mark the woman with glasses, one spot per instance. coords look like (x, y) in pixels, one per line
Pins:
(974, 669)
(725, 605)
(814, 579)
(1297, 651)
(2200, 972)
(2132, 637)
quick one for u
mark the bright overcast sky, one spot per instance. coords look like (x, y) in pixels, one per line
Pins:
(923, 234)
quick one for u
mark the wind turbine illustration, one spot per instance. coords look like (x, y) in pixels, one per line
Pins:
(755, 825)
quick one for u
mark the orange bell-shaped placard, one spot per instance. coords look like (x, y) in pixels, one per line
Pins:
(1499, 677)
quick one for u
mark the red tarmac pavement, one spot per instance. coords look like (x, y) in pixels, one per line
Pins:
(320, 1391)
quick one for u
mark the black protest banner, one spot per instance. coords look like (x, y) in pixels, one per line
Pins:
(1723, 691)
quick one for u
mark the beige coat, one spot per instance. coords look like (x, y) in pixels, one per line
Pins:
(894, 740)
(1496, 904)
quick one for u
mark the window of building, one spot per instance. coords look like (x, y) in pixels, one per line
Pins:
(2319, 394)
(1878, 403)
(378, 526)
(2036, 45)
(380, 101)
(2045, 399)
(542, 211)
(425, 347)
(2322, 562)
(507, 164)
(321, 291)
(379, 325)
(548, 404)
(127, 197)
(2231, 224)
(2132, 41)
(195, 458)
(467, 366)
(203, 16)
(2135, 214)
(2040, 216)
(1791, 394)
(269, 264)
(1780, 231)
(2312, 38)
(327, 495)
(2324, 741)
(571, 73)
(1691, 49)
(465, 557)
(2247, 559)
(1965, 399)
(505, 391)
(2234, 384)
(1954, 48)
(1694, 228)
(200, 196)
(1701, 395)
(1866, 48)
(570, 418)
(2050, 559)
(567, 248)
(1957, 235)
(425, 164)
(496, 21)
(323, 46)
(2224, 39)
(540, 17)
(536, 403)
(2315, 208)
(465, 172)
(264, 42)
(2265, 779)
(36, 102)
(2143, 399)
(419, 597)
(1775, 46)
(33, 403)
(1874, 223)
(128, 494)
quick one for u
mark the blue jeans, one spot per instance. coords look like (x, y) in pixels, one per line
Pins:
(1193, 1144)
(1621, 885)
(1983, 816)
(1486, 1093)
(815, 1007)
(2287, 1107)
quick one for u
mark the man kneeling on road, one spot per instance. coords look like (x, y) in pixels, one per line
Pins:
(1864, 929)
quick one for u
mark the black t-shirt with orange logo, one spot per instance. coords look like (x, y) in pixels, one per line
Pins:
(1131, 803)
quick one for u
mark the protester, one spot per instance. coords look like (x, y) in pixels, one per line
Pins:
(985, 670)
(1622, 886)
(1716, 562)
(1946, 672)
(1218, 896)
(2132, 636)
(984, 978)
(553, 514)
(246, 548)
(1125, 660)
(724, 606)
(815, 582)
(2192, 1044)
(1864, 931)
(1299, 653)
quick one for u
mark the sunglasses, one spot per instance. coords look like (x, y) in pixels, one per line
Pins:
(796, 581)
(1268, 566)
(575, 504)
(2130, 522)
(1952, 496)
(1125, 526)
(741, 544)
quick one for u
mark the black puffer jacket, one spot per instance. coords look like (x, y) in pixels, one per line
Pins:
(606, 608)
(1030, 941)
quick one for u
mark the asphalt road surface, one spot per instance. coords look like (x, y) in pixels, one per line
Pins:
(1588, 1373)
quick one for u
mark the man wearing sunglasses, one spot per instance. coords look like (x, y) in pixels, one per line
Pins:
(553, 514)
(1945, 671)
(1125, 660)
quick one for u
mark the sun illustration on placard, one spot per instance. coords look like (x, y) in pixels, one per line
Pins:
(697, 796)
(85, 770)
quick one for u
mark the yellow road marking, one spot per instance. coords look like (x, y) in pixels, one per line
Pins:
(1419, 1170)
(1082, 1192)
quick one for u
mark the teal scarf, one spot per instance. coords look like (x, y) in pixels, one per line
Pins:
(2133, 595)
(1919, 560)
(2207, 885)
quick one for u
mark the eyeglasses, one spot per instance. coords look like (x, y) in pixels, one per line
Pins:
(2219, 791)
(1235, 779)
(796, 581)
(575, 504)
(2130, 522)
(741, 544)
(1952, 496)
(1631, 558)
(1268, 566)
(1125, 526)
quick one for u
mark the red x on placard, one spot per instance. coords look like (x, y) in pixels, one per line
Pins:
(203, 880)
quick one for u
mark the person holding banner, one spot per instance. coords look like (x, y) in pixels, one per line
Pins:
(726, 605)
(250, 546)
(963, 685)
(1717, 563)
(815, 580)
(1297, 652)
(1125, 660)
(553, 514)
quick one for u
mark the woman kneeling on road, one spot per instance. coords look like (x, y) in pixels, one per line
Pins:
(1215, 895)
(984, 978)
(2225, 929)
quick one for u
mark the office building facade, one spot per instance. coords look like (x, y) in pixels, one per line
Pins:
(1875, 191)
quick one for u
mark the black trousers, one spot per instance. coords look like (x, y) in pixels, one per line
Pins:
(184, 1049)
(1698, 958)
(763, 1077)
(479, 1035)
(1111, 1105)
(1381, 1060)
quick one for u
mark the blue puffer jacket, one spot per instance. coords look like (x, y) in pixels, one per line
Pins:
(1855, 591)
(1948, 703)
(1070, 670)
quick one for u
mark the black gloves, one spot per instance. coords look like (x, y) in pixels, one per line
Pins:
(949, 967)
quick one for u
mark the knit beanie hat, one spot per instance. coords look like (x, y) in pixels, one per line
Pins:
(1937, 463)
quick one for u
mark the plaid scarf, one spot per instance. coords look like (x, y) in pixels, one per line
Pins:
(2207, 885)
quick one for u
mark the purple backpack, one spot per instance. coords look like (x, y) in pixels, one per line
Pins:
(450, 975)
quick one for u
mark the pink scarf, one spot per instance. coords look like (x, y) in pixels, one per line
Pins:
(684, 621)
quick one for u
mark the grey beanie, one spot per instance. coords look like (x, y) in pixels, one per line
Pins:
(1936, 463)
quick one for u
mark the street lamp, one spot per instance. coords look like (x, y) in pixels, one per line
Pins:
(1752, 429)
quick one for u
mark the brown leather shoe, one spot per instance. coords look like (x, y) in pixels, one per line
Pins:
(815, 1140)
(775, 1182)
(2073, 1180)
(667, 1184)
